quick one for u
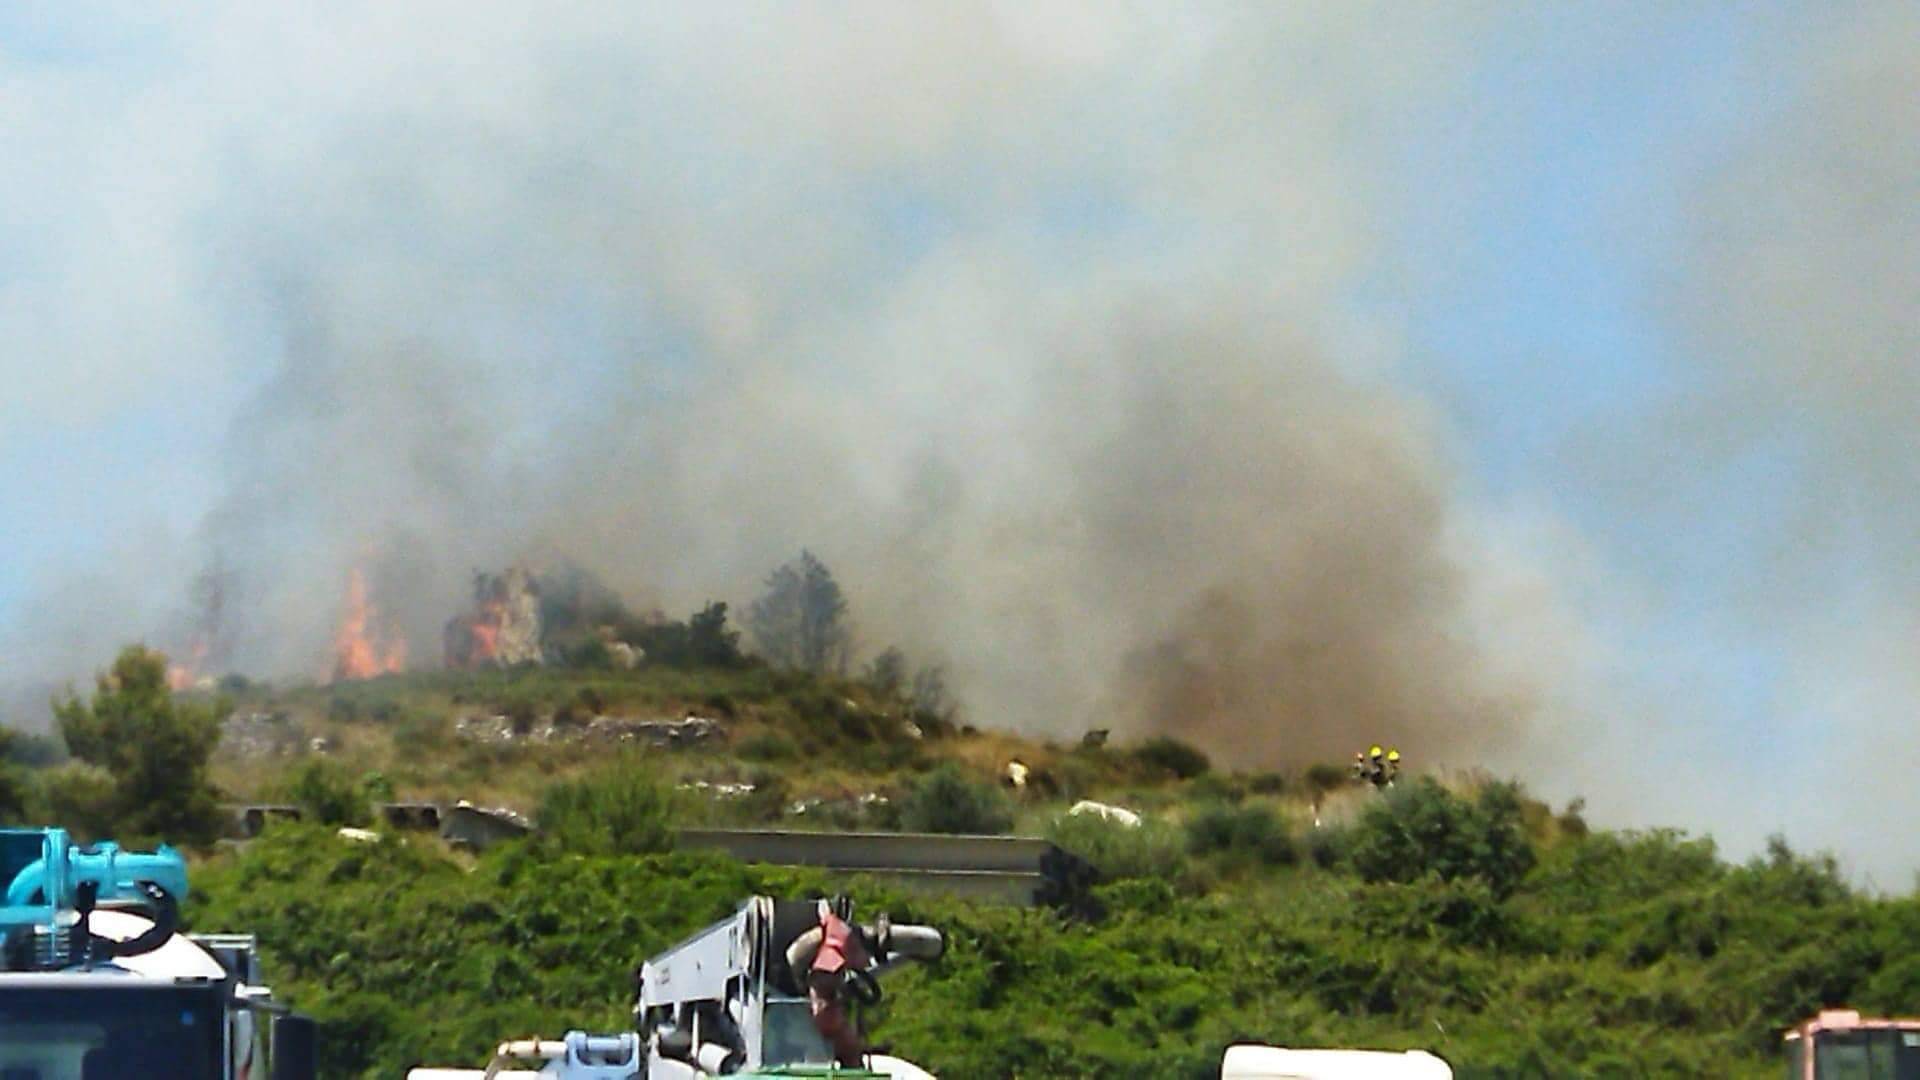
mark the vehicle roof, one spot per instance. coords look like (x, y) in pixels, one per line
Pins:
(1850, 1020)
(1249, 1062)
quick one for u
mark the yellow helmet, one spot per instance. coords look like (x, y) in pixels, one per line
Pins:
(1374, 751)
(1393, 755)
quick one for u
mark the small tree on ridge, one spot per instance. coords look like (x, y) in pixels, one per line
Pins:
(801, 620)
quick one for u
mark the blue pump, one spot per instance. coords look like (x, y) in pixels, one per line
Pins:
(47, 874)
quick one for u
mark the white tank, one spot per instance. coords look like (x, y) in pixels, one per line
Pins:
(179, 958)
(1278, 1063)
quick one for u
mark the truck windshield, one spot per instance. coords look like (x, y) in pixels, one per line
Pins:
(1875, 1054)
(94, 1032)
(790, 1037)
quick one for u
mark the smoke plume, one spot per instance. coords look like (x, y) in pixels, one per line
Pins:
(1041, 330)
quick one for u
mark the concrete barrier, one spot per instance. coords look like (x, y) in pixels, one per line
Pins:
(246, 820)
(479, 827)
(424, 816)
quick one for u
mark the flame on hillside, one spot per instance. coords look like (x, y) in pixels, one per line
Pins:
(360, 650)
(184, 674)
(486, 631)
(503, 628)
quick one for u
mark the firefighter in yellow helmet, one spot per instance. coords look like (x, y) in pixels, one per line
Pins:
(1393, 766)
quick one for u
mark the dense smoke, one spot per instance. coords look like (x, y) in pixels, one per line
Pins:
(1038, 330)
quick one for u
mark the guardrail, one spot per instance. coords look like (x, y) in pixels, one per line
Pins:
(1012, 869)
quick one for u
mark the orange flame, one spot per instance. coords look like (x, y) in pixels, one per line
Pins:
(183, 674)
(486, 632)
(358, 651)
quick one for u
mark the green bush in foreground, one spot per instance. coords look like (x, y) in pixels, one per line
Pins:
(1247, 832)
(1617, 955)
(153, 746)
(1153, 849)
(1422, 828)
(619, 809)
(327, 794)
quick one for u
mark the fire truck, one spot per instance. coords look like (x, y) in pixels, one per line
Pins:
(97, 982)
(1840, 1044)
(727, 1001)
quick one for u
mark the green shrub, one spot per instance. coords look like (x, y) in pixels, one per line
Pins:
(1573, 822)
(615, 810)
(1267, 783)
(1463, 912)
(768, 802)
(946, 801)
(1423, 828)
(420, 735)
(1252, 831)
(155, 747)
(855, 726)
(768, 746)
(30, 749)
(81, 799)
(1323, 777)
(1153, 849)
(327, 794)
(590, 655)
(1168, 754)
(1213, 787)
(1326, 846)
(521, 711)
(377, 787)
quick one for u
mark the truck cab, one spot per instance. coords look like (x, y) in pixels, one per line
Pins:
(95, 982)
(1840, 1044)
